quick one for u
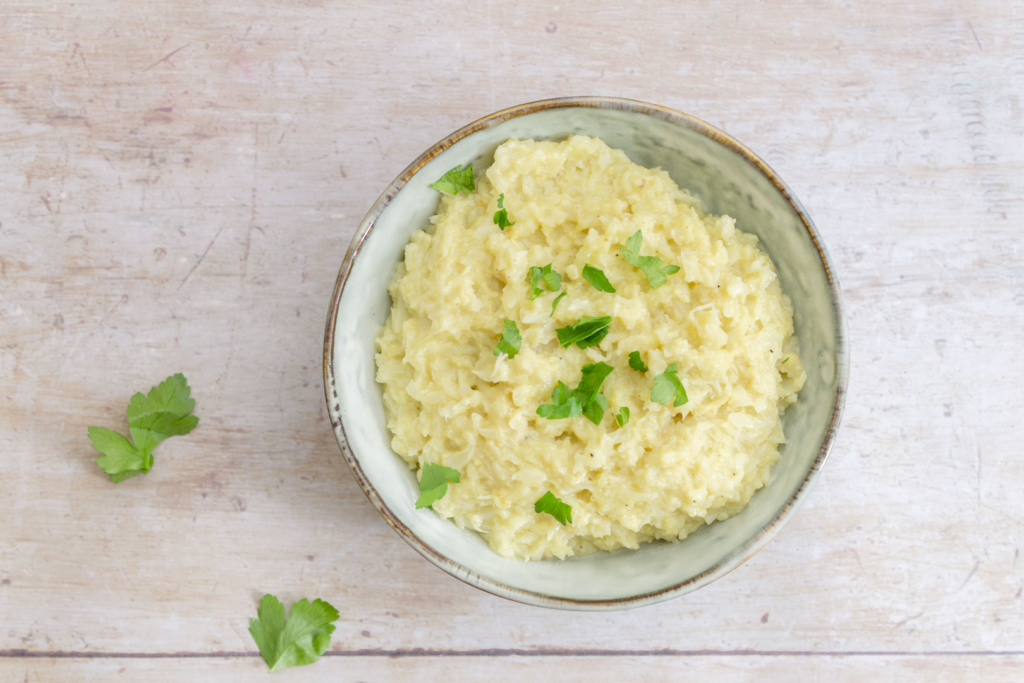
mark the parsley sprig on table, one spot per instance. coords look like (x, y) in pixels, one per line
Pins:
(585, 399)
(652, 266)
(458, 179)
(165, 411)
(300, 638)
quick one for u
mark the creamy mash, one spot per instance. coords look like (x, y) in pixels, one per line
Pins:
(722, 319)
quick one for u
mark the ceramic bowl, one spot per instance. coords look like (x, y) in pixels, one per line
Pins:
(730, 179)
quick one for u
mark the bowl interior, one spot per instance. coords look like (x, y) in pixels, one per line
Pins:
(699, 159)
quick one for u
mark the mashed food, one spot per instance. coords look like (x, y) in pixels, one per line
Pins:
(722, 319)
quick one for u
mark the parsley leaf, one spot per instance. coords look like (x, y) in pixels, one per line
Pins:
(296, 640)
(594, 410)
(564, 403)
(457, 180)
(501, 215)
(545, 276)
(667, 387)
(434, 483)
(121, 460)
(595, 276)
(553, 506)
(594, 376)
(585, 399)
(165, 411)
(510, 341)
(585, 333)
(554, 304)
(652, 266)
(623, 416)
(636, 362)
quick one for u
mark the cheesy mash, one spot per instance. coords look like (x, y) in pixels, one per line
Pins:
(722, 319)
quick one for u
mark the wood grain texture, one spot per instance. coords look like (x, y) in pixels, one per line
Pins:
(513, 669)
(180, 182)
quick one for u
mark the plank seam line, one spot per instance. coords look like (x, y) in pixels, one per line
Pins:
(16, 654)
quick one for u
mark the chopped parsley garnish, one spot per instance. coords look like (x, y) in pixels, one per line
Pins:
(585, 333)
(595, 276)
(589, 387)
(652, 266)
(668, 387)
(165, 411)
(623, 416)
(457, 180)
(636, 362)
(510, 341)
(594, 410)
(554, 304)
(296, 640)
(543, 276)
(586, 399)
(434, 483)
(552, 505)
(784, 360)
(501, 215)
(564, 403)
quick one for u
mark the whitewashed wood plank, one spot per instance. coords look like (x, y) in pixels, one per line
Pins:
(180, 183)
(658, 669)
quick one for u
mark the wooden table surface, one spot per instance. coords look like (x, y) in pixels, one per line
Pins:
(180, 180)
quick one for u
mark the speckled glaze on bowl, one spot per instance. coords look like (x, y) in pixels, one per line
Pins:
(730, 179)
